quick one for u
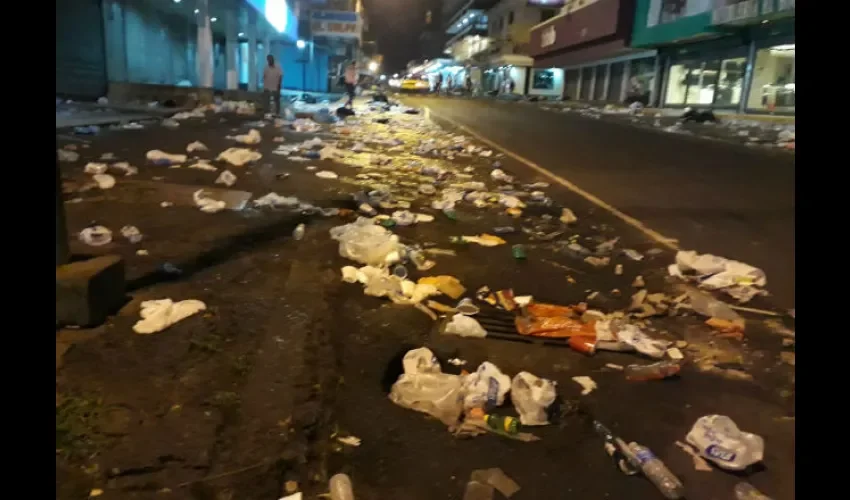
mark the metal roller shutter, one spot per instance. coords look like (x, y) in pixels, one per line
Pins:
(80, 49)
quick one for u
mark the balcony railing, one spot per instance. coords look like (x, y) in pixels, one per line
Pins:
(730, 12)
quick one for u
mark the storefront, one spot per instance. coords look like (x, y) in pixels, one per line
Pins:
(620, 79)
(729, 74)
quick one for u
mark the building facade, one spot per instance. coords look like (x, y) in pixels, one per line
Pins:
(587, 47)
(736, 55)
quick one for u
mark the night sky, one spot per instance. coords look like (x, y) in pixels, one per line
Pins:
(396, 25)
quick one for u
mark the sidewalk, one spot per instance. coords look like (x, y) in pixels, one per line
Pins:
(255, 390)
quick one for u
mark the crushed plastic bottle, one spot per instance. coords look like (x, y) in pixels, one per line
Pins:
(655, 371)
(654, 469)
(340, 486)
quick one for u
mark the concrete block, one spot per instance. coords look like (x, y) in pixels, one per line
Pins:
(88, 291)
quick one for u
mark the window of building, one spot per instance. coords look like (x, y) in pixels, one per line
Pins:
(571, 79)
(702, 82)
(774, 79)
(671, 10)
(599, 86)
(731, 82)
(547, 14)
(544, 79)
(677, 82)
(510, 18)
(615, 82)
(584, 86)
(641, 80)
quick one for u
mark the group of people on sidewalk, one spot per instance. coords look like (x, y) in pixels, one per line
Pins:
(438, 84)
(273, 84)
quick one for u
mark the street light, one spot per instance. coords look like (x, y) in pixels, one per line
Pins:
(300, 44)
(373, 66)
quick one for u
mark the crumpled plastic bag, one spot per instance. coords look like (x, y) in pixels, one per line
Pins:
(437, 394)
(718, 439)
(96, 236)
(362, 241)
(196, 146)
(531, 395)
(465, 326)
(486, 388)
(421, 360)
(157, 315)
(161, 157)
(238, 157)
(95, 168)
(633, 336)
(717, 273)
(227, 178)
(207, 204)
(252, 137)
(104, 181)
(275, 200)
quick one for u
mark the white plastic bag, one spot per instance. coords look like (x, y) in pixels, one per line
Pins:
(486, 388)
(362, 241)
(437, 394)
(465, 326)
(654, 348)
(531, 396)
(718, 439)
(420, 360)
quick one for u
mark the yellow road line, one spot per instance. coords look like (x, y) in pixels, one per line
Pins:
(640, 226)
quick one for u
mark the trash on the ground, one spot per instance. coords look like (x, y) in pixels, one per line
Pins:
(734, 328)
(207, 204)
(655, 371)
(125, 167)
(157, 315)
(485, 240)
(440, 307)
(96, 235)
(162, 158)
(464, 326)
(104, 181)
(675, 354)
(457, 362)
(477, 491)
(532, 396)
(96, 492)
(295, 496)
(227, 178)
(641, 458)
(614, 366)
(203, 165)
(467, 307)
(298, 232)
(362, 241)
(437, 394)
(597, 261)
(633, 336)
(638, 282)
(196, 146)
(739, 280)
(132, 233)
(340, 487)
(486, 387)
(448, 285)
(95, 168)
(700, 463)
(703, 303)
(238, 157)
(587, 384)
(326, 174)
(788, 357)
(746, 491)
(719, 440)
(68, 156)
(618, 269)
(275, 200)
(349, 440)
(549, 320)
(633, 254)
(496, 478)
(170, 123)
(252, 137)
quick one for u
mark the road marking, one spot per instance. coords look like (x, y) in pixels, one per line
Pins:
(670, 243)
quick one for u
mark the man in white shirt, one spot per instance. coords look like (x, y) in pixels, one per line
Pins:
(272, 82)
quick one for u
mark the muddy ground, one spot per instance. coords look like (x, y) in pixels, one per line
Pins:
(234, 402)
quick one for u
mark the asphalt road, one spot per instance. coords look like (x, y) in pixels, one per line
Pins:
(712, 196)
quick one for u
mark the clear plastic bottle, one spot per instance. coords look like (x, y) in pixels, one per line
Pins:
(340, 486)
(655, 470)
(299, 232)
(746, 491)
(655, 371)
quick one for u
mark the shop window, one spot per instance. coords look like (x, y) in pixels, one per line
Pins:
(544, 79)
(599, 87)
(702, 83)
(677, 83)
(571, 79)
(615, 82)
(731, 82)
(641, 80)
(586, 82)
(671, 10)
(774, 79)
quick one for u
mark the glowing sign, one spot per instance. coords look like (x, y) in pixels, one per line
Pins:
(276, 12)
(341, 24)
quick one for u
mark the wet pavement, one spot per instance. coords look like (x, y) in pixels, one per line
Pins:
(717, 197)
(233, 402)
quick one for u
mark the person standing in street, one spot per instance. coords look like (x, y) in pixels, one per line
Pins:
(272, 83)
(350, 83)
(468, 84)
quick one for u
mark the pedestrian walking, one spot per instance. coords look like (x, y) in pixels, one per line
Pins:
(350, 83)
(272, 84)
(438, 84)
(449, 83)
(468, 84)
